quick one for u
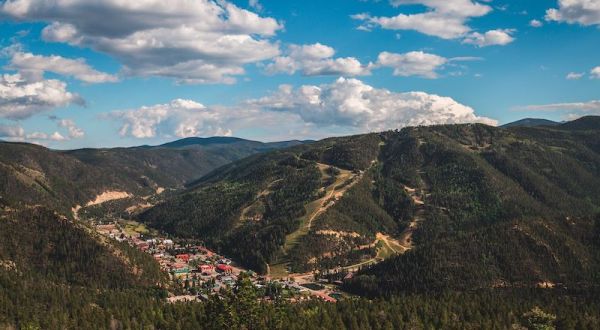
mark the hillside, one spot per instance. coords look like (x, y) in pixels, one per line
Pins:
(505, 208)
(455, 225)
(32, 174)
(459, 206)
(249, 207)
(531, 122)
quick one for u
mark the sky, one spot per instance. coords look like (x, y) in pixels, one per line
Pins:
(107, 73)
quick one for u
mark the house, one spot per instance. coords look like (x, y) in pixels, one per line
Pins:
(223, 268)
(181, 271)
(183, 257)
(206, 269)
(225, 261)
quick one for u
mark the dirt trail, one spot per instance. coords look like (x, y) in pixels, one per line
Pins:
(404, 242)
(331, 196)
(406, 236)
(392, 244)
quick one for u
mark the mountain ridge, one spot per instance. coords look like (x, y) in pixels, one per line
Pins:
(471, 170)
(531, 122)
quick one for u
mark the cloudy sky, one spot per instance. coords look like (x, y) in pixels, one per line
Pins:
(91, 73)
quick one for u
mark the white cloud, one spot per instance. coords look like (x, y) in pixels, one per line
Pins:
(201, 41)
(20, 98)
(591, 107)
(181, 118)
(256, 5)
(74, 131)
(346, 105)
(34, 66)
(583, 12)
(186, 118)
(316, 60)
(536, 23)
(352, 103)
(41, 136)
(444, 18)
(575, 75)
(412, 63)
(12, 131)
(595, 73)
(499, 37)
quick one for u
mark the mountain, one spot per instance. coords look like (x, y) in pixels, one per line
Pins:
(531, 122)
(249, 208)
(454, 206)
(219, 142)
(454, 226)
(33, 174)
(583, 123)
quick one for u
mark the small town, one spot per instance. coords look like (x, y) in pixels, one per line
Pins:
(197, 273)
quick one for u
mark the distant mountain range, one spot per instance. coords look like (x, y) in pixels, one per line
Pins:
(37, 175)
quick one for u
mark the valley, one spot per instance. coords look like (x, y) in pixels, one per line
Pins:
(487, 213)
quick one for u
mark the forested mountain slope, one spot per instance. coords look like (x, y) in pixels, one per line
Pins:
(506, 208)
(466, 206)
(31, 174)
(248, 208)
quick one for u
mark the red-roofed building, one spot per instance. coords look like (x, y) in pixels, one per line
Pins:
(206, 269)
(224, 268)
(183, 257)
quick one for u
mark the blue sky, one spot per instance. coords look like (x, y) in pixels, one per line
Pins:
(91, 73)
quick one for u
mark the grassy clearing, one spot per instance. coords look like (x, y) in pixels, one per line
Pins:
(133, 228)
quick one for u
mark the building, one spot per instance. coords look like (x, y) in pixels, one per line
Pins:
(206, 269)
(183, 257)
(223, 268)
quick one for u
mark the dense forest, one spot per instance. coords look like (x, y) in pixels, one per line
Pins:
(502, 207)
(31, 174)
(506, 208)
(508, 237)
(274, 187)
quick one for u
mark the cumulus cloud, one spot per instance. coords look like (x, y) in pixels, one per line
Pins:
(499, 37)
(34, 66)
(445, 19)
(536, 23)
(595, 73)
(21, 98)
(17, 133)
(352, 103)
(202, 41)
(583, 12)
(11, 131)
(41, 136)
(181, 118)
(412, 63)
(346, 105)
(74, 131)
(575, 75)
(316, 60)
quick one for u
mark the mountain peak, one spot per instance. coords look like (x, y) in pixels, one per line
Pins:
(531, 122)
(191, 141)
